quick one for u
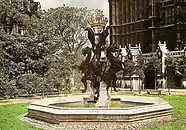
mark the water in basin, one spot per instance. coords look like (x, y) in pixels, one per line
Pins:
(124, 104)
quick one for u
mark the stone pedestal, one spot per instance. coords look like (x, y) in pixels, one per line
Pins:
(102, 101)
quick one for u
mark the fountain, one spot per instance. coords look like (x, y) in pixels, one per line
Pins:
(139, 108)
(101, 107)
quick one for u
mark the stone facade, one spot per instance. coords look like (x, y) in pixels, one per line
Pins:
(159, 79)
(147, 22)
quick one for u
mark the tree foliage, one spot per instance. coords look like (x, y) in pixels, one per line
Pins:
(65, 26)
(45, 55)
(17, 13)
(175, 69)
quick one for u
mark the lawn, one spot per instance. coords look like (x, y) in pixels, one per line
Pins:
(9, 113)
(179, 110)
(9, 120)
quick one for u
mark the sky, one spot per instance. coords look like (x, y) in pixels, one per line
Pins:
(101, 4)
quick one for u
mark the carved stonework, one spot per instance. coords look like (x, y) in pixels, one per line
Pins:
(134, 22)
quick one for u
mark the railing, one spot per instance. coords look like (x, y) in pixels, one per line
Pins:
(148, 56)
(176, 53)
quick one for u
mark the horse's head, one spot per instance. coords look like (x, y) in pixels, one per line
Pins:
(111, 50)
(86, 50)
(97, 35)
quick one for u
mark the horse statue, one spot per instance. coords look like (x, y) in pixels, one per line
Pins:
(91, 70)
(96, 70)
(86, 67)
(114, 65)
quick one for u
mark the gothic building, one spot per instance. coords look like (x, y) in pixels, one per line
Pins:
(147, 22)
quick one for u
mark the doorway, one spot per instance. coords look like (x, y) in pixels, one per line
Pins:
(150, 78)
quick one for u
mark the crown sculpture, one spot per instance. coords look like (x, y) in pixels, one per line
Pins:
(97, 20)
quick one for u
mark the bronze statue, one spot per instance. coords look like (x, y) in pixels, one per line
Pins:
(96, 70)
(86, 67)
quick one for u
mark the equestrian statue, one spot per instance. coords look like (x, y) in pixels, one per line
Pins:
(97, 68)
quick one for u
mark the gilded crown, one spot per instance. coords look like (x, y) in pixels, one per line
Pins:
(97, 20)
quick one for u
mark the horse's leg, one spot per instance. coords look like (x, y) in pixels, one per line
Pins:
(113, 82)
(84, 81)
(108, 86)
(98, 90)
(93, 91)
(114, 85)
(96, 85)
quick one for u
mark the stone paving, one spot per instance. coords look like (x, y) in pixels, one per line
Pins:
(15, 101)
(177, 92)
(99, 125)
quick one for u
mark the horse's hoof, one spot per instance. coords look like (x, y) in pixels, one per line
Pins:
(83, 91)
(91, 97)
(108, 97)
(95, 98)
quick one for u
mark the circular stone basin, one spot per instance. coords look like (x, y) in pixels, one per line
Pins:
(70, 109)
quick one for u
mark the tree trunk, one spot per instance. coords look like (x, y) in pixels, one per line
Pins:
(168, 84)
(43, 91)
(139, 86)
(72, 78)
(131, 84)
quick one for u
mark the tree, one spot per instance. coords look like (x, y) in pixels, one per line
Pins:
(64, 27)
(129, 69)
(140, 69)
(175, 67)
(20, 54)
(46, 52)
(15, 14)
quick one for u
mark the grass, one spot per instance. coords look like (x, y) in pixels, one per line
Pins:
(9, 120)
(9, 113)
(179, 110)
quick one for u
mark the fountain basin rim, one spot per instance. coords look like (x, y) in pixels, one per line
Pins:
(135, 99)
(157, 104)
(92, 111)
(98, 108)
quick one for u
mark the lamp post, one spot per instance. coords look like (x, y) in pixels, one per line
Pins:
(155, 69)
(153, 26)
